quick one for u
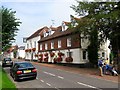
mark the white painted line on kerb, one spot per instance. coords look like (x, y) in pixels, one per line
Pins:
(41, 80)
(48, 84)
(88, 85)
(60, 77)
(57, 88)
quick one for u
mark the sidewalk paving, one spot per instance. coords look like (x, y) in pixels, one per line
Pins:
(92, 72)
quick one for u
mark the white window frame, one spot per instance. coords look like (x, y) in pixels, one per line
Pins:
(52, 45)
(46, 46)
(69, 42)
(40, 46)
(34, 44)
(31, 44)
(59, 43)
(27, 45)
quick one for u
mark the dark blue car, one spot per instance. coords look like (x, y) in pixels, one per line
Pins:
(23, 70)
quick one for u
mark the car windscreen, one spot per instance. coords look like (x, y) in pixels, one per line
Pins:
(7, 59)
(25, 65)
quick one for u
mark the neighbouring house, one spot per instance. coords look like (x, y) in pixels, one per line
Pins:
(21, 52)
(12, 52)
(31, 47)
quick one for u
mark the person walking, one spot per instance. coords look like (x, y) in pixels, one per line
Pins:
(100, 65)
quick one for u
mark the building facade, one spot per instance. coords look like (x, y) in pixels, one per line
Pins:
(60, 45)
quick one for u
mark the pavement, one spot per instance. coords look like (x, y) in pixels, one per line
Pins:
(91, 72)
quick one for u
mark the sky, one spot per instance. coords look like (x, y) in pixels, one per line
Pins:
(35, 14)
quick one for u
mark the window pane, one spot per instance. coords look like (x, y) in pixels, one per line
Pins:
(68, 42)
(59, 43)
(84, 54)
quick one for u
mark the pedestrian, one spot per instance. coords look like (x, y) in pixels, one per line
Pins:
(100, 65)
(107, 61)
(104, 68)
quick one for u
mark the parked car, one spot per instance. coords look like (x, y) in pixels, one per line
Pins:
(23, 70)
(7, 62)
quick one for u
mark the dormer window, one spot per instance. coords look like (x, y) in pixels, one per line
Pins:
(64, 26)
(45, 34)
(50, 32)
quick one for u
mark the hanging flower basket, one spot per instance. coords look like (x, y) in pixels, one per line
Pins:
(60, 54)
(40, 59)
(46, 54)
(55, 60)
(52, 54)
(46, 59)
(41, 55)
(69, 59)
(58, 59)
(26, 50)
(33, 49)
(29, 50)
(36, 55)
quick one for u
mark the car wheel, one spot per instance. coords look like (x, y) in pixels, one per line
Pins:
(3, 65)
(10, 74)
(15, 78)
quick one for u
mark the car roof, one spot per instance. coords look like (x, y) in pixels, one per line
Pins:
(21, 62)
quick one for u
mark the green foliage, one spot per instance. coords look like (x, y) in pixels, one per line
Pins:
(104, 17)
(93, 47)
(9, 27)
(5, 82)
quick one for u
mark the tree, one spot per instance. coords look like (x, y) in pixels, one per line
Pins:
(9, 27)
(101, 17)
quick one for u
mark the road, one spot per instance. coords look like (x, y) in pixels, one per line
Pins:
(58, 79)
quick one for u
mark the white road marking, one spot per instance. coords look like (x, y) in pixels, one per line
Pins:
(48, 84)
(88, 85)
(46, 72)
(60, 77)
(41, 80)
(51, 74)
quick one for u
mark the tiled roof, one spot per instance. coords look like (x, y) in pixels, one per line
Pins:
(57, 33)
(66, 23)
(54, 28)
(44, 29)
(36, 33)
